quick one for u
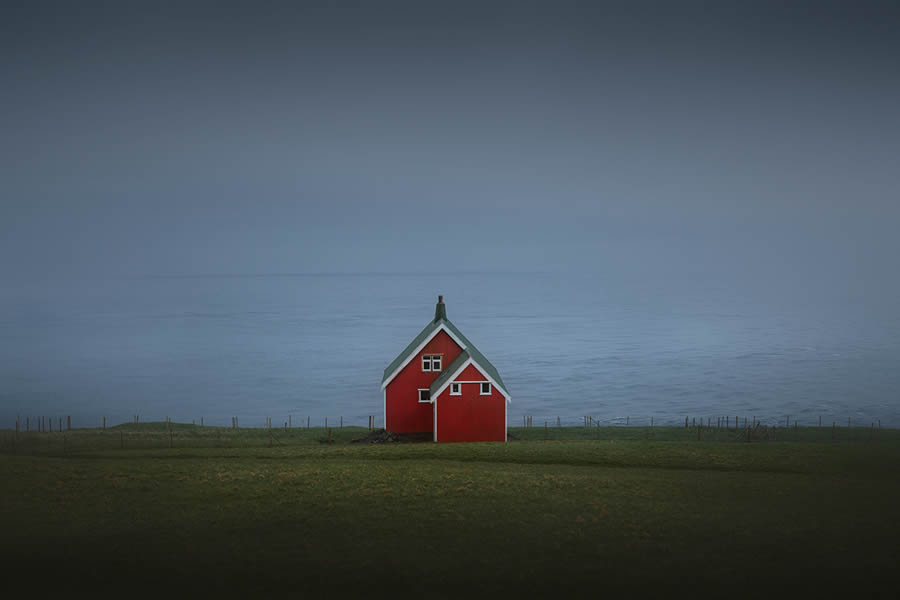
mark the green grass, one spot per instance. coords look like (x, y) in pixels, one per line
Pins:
(637, 510)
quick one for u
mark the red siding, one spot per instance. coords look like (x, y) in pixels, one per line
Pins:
(471, 417)
(470, 373)
(404, 412)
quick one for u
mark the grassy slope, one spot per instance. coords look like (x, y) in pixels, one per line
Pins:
(579, 516)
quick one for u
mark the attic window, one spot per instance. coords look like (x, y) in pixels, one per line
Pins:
(485, 389)
(431, 362)
(425, 395)
(455, 389)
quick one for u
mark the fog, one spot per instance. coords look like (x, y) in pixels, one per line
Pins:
(754, 144)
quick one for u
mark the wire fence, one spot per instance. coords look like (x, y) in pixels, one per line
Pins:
(35, 436)
(692, 420)
(45, 424)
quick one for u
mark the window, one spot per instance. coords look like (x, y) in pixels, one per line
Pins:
(431, 362)
(455, 389)
(485, 389)
(425, 395)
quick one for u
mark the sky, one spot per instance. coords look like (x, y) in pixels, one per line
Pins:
(717, 139)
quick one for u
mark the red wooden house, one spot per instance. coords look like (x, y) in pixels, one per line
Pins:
(442, 384)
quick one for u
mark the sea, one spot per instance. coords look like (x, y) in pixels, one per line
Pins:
(309, 347)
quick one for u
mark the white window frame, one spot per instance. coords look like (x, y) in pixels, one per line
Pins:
(481, 391)
(458, 391)
(420, 395)
(432, 363)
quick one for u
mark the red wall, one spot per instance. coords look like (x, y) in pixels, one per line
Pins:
(470, 373)
(471, 417)
(404, 412)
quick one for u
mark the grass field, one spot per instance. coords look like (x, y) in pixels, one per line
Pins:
(582, 512)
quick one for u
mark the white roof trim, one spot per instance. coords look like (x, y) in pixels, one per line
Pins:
(470, 361)
(415, 352)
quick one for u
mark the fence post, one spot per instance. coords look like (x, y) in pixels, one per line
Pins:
(558, 422)
(307, 422)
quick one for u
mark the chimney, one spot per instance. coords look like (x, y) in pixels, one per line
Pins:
(440, 311)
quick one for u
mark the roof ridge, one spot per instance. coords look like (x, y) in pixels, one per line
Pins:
(467, 348)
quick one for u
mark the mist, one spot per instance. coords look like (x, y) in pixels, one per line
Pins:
(716, 142)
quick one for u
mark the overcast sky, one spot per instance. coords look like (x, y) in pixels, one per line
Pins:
(156, 138)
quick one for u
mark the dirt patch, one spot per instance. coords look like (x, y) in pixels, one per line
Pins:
(380, 436)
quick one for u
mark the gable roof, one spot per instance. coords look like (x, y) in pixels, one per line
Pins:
(440, 323)
(446, 374)
(459, 365)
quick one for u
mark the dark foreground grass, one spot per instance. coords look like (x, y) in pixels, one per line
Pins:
(583, 517)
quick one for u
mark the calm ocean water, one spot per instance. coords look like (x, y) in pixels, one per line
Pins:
(567, 345)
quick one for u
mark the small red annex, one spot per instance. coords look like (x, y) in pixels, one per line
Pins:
(441, 384)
